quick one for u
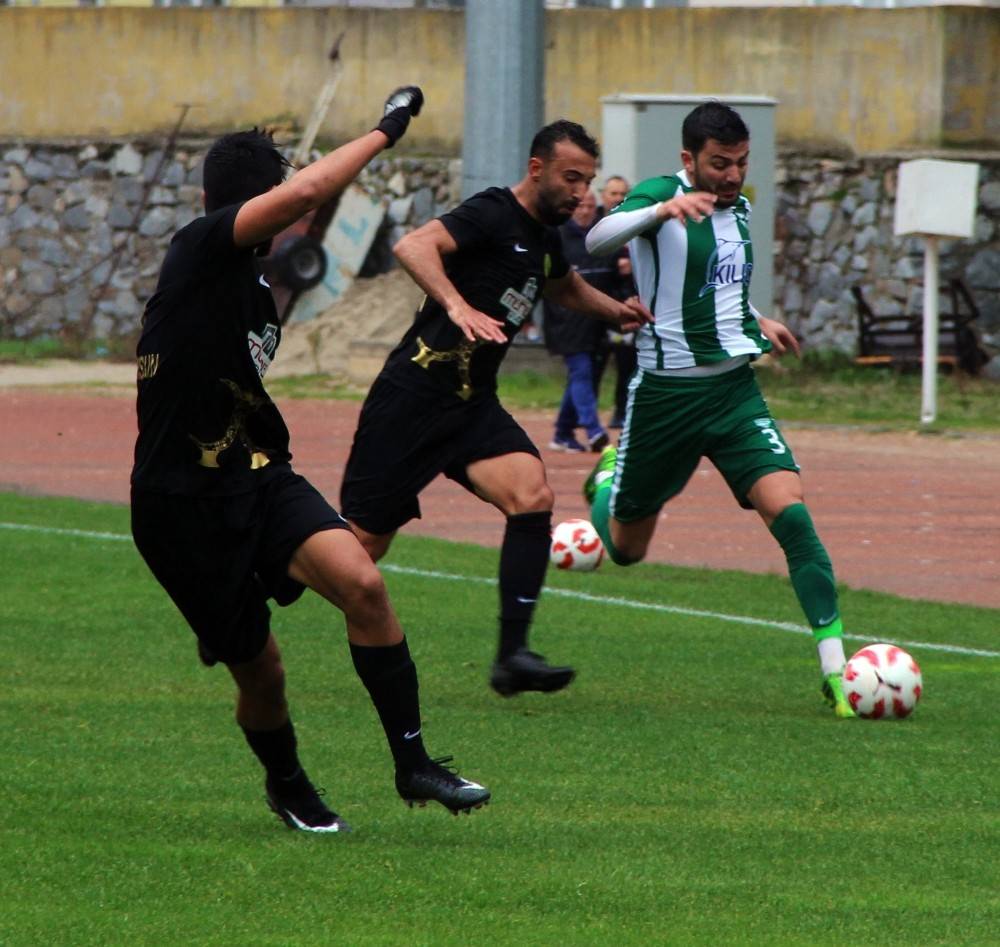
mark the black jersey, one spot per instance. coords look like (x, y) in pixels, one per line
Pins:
(210, 331)
(503, 259)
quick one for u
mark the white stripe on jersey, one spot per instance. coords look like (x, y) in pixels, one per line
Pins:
(669, 298)
(729, 295)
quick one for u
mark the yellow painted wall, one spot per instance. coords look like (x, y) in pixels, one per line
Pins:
(120, 71)
(869, 80)
(971, 96)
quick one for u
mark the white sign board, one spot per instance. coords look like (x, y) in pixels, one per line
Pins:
(936, 198)
(346, 243)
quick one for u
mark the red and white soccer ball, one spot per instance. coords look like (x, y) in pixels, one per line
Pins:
(882, 681)
(576, 546)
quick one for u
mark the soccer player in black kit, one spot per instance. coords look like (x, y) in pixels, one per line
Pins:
(220, 517)
(434, 408)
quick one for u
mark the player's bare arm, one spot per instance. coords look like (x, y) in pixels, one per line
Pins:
(574, 292)
(262, 217)
(268, 214)
(779, 335)
(421, 253)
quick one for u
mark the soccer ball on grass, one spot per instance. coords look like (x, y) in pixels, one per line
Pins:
(576, 546)
(882, 681)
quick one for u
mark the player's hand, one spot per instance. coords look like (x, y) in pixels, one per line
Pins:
(779, 335)
(476, 325)
(400, 107)
(633, 315)
(694, 206)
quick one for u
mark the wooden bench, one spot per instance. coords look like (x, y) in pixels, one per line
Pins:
(898, 340)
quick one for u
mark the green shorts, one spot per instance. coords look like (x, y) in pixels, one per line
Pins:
(673, 422)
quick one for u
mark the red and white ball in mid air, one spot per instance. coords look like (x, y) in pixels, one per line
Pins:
(576, 546)
(882, 681)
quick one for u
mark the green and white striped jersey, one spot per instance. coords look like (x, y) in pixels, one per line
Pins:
(695, 278)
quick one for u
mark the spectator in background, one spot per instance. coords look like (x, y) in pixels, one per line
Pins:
(617, 345)
(579, 340)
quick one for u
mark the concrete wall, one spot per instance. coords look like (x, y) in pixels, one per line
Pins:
(971, 92)
(859, 80)
(109, 72)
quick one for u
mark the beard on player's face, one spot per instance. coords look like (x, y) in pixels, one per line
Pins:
(726, 192)
(725, 184)
(555, 207)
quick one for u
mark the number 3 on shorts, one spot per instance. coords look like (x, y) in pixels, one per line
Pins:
(772, 435)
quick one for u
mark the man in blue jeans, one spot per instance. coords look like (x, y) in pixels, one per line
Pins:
(579, 340)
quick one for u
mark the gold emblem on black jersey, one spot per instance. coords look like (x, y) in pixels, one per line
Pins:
(244, 403)
(461, 354)
(147, 366)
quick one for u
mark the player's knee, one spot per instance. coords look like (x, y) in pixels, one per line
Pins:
(627, 550)
(532, 498)
(620, 558)
(366, 599)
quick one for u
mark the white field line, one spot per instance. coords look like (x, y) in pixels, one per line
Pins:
(611, 600)
(690, 612)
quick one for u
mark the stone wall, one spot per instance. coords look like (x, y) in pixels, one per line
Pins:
(834, 230)
(85, 227)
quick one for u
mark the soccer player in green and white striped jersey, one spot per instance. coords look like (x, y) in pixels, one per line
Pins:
(694, 394)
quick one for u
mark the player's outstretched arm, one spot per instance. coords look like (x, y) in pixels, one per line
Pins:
(262, 217)
(612, 232)
(421, 253)
(573, 292)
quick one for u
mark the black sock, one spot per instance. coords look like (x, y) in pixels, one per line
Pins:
(276, 750)
(390, 677)
(524, 559)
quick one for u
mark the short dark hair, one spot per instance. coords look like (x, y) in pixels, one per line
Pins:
(240, 166)
(713, 120)
(546, 139)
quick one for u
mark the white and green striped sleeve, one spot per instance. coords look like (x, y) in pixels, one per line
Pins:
(635, 215)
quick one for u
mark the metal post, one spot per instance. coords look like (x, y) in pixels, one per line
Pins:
(928, 410)
(504, 77)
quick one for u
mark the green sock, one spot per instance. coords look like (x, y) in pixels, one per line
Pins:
(600, 516)
(810, 570)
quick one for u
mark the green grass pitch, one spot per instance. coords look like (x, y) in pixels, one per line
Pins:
(689, 788)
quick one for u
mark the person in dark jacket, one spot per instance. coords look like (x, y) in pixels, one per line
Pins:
(579, 340)
(617, 347)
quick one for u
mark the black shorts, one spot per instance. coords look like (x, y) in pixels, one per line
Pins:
(221, 558)
(404, 441)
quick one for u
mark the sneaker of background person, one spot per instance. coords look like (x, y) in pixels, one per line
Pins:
(598, 442)
(568, 444)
